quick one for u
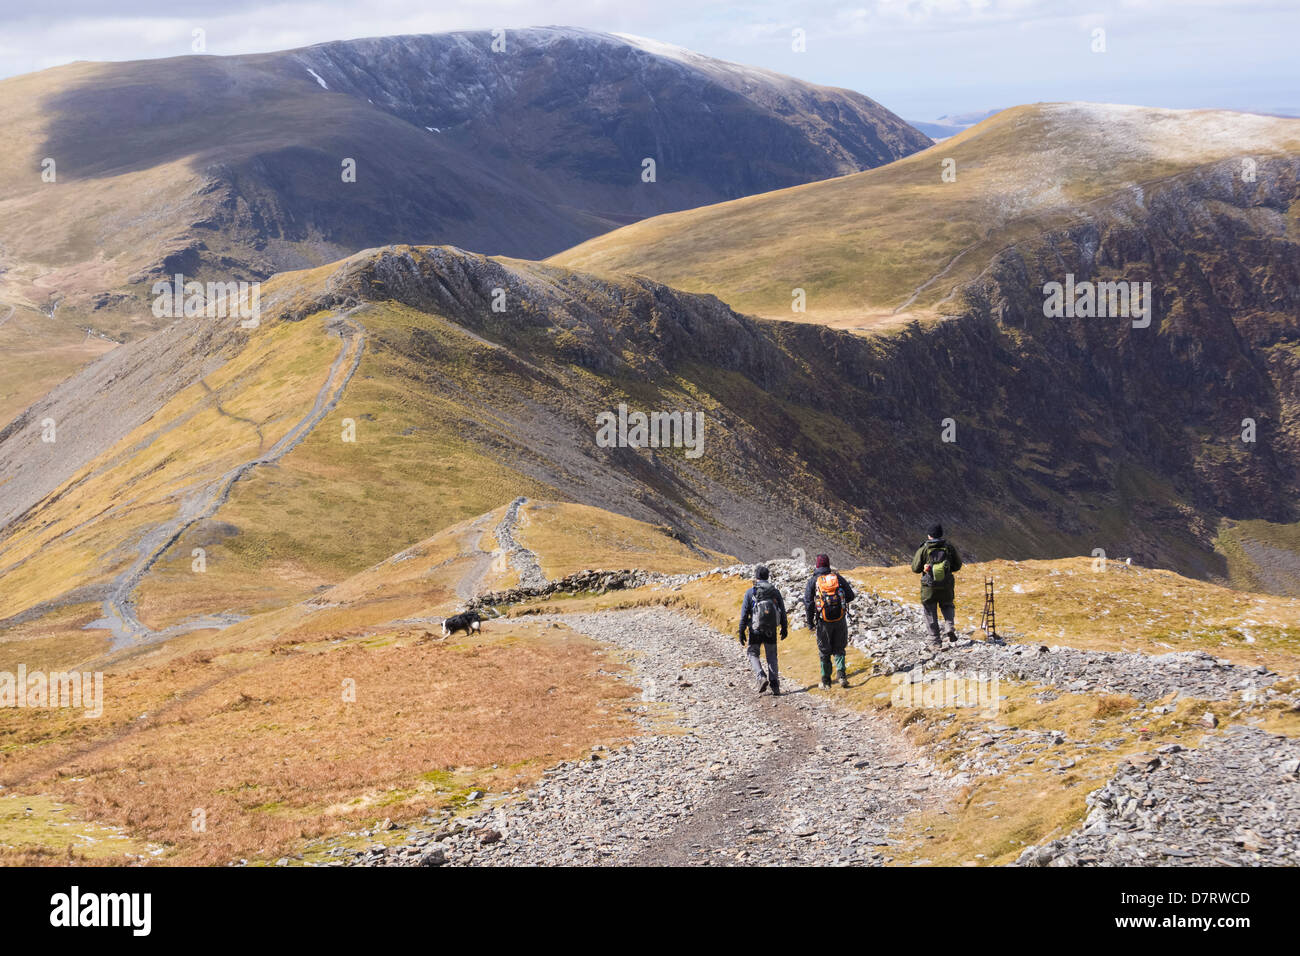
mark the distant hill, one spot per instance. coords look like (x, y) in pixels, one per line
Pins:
(878, 248)
(232, 167)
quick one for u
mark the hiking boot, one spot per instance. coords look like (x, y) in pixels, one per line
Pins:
(762, 685)
(844, 679)
(776, 690)
(825, 684)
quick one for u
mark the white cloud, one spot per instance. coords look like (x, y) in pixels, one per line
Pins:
(920, 57)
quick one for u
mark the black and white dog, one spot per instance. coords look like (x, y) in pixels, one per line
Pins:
(468, 622)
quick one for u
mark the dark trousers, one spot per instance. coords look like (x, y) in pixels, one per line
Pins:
(769, 647)
(832, 642)
(932, 608)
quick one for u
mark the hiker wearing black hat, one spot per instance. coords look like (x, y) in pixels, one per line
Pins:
(826, 598)
(761, 614)
(937, 561)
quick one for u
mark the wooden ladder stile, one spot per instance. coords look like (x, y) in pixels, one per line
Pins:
(988, 620)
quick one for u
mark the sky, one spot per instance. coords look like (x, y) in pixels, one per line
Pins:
(920, 58)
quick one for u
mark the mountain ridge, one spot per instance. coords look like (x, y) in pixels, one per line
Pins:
(874, 250)
(212, 136)
(451, 378)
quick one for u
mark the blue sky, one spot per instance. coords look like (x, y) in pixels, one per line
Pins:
(921, 58)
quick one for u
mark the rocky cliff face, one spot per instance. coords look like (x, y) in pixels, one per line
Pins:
(1172, 400)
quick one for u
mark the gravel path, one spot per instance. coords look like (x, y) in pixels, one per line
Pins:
(724, 776)
(203, 501)
(471, 582)
(736, 779)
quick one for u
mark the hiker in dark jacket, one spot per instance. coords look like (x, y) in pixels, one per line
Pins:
(761, 615)
(937, 561)
(826, 598)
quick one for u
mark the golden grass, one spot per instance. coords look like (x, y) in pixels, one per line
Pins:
(1064, 601)
(248, 723)
(54, 641)
(261, 739)
(336, 508)
(568, 538)
(899, 238)
(56, 547)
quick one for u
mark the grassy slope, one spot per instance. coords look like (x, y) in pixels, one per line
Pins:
(260, 736)
(86, 532)
(862, 245)
(331, 508)
(434, 446)
(403, 747)
(222, 709)
(36, 354)
(569, 538)
(82, 234)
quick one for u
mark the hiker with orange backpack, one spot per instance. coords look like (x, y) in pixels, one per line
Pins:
(826, 600)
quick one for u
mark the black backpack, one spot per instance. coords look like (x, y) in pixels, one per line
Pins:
(764, 617)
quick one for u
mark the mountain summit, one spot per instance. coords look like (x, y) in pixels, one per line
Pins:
(242, 163)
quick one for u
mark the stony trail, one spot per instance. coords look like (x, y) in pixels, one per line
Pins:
(521, 559)
(723, 776)
(203, 500)
(471, 582)
(508, 550)
(730, 778)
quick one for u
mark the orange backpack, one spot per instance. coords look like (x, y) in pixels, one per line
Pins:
(829, 598)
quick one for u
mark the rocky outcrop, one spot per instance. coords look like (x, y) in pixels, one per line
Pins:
(1233, 801)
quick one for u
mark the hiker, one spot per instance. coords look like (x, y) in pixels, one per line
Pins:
(937, 561)
(826, 598)
(761, 614)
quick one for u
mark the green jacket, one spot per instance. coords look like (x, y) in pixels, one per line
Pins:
(943, 592)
